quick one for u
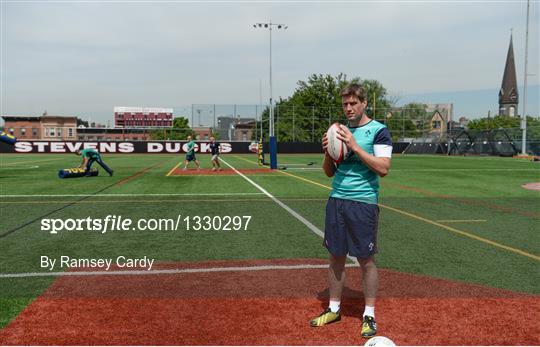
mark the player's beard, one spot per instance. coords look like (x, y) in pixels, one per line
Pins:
(355, 120)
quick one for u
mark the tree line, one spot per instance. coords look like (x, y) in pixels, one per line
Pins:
(316, 103)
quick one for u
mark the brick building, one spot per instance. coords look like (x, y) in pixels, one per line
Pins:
(143, 117)
(41, 127)
(113, 134)
(235, 128)
(202, 133)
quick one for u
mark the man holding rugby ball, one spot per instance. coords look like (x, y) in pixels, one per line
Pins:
(352, 212)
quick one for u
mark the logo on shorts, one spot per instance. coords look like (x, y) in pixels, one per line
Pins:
(371, 246)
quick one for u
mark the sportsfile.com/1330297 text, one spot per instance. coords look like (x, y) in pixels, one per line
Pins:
(118, 223)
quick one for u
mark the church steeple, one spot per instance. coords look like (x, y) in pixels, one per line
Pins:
(508, 95)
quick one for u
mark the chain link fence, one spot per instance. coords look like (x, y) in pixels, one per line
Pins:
(292, 124)
(308, 124)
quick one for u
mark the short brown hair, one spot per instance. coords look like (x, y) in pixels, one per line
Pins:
(354, 89)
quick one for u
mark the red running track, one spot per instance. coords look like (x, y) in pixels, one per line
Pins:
(269, 307)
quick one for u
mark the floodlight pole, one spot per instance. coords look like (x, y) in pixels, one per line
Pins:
(273, 141)
(524, 115)
(260, 106)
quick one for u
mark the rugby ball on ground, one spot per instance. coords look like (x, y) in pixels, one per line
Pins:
(379, 341)
(337, 149)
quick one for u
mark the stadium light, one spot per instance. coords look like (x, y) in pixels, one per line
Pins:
(273, 142)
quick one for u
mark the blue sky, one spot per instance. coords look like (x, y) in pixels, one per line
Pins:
(84, 58)
(475, 103)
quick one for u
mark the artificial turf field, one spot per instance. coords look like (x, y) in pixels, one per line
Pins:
(459, 254)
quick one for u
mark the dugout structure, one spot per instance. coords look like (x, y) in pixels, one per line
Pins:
(494, 142)
(426, 146)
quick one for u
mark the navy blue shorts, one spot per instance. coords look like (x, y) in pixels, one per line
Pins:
(190, 157)
(351, 228)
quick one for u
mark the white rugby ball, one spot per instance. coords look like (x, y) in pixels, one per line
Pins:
(337, 149)
(379, 341)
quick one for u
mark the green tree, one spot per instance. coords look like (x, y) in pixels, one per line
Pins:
(512, 126)
(378, 103)
(400, 126)
(181, 123)
(316, 103)
(179, 131)
(415, 113)
(494, 123)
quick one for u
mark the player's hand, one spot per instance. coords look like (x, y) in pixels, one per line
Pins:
(324, 142)
(345, 135)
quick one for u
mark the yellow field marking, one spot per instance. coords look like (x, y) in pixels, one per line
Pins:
(249, 161)
(174, 168)
(429, 221)
(305, 179)
(235, 156)
(464, 233)
(195, 174)
(286, 173)
(218, 175)
(461, 220)
(30, 161)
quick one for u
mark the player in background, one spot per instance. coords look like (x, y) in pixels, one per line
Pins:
(89, 156)
(352, 211)
(190, 154)
(215, 148)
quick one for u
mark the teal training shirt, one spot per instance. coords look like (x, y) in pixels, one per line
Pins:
(353, 180)
(89, 152)
(191, 147)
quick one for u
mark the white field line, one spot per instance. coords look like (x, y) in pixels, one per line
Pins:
(127, 195)
(29, 162)
(432, 222)
(314, 168)
(457, 158)
(168, 271)
(284, 206)
(463, 169)
(14, 168)
(422, 170)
